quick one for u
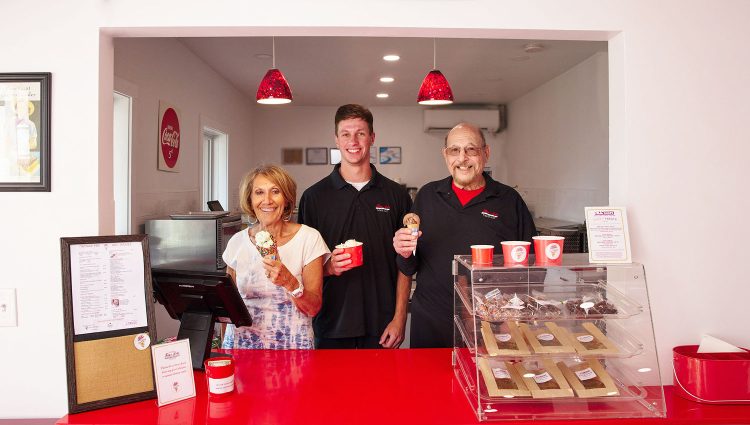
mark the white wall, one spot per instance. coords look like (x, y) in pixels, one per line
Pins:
(164, 69)
(31, 224)
(154, 69)
(307, 126)
(557, 150)
(678, 142)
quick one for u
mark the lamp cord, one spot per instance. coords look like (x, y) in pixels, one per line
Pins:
(273, 52)
(434, 54)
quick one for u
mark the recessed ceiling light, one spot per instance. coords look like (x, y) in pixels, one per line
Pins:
(262, 56)
(382, 95)
(391, 58)
(386, 79)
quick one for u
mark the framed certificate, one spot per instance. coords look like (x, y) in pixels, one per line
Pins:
(316, 156)
(607, 231)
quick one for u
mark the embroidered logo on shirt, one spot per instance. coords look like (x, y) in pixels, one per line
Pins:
(382, 208)
(489, 214)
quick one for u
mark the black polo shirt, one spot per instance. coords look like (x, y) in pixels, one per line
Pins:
(497, 214)
(362, 301)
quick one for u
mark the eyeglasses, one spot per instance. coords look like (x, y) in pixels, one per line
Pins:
(468, 150)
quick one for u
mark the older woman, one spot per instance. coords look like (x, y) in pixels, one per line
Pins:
(282, 287)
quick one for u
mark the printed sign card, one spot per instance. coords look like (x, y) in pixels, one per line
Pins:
(607, 230)
(173, 370)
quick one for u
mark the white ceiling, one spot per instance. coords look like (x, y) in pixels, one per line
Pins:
(331, 71)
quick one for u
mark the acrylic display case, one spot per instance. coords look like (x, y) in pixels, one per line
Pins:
(574, 341)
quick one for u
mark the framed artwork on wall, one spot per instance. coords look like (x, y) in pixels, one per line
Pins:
(316, 156)
(25, 132)
(373, 155)
(291, 156)
(390, 155)
(335, 156)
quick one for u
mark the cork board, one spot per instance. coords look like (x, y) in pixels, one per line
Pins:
(99, 380)
(108, 319)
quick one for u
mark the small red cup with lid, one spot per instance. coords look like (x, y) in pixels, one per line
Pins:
(219, 375)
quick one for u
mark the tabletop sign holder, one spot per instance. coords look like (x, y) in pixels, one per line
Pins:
(109, 320)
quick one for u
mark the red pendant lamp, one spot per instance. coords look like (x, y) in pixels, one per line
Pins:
(435, 89)
(273, 89)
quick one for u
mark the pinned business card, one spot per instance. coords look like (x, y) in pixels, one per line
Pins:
(173, 370)
(608, 235)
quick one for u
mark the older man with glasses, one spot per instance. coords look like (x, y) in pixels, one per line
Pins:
(467, 208)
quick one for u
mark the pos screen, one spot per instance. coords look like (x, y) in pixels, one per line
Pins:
(199, 300)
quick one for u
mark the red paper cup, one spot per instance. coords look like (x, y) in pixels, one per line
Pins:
(355, 252)
(516, 253)
(219, 375)
(482, 254)
(548, 250)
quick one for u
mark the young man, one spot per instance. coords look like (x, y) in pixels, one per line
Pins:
(467, 208)
(365, 306)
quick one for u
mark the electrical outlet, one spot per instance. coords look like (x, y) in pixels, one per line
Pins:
(8, 307)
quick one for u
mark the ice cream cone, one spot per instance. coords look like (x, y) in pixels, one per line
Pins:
(411, 221)
(266, 244)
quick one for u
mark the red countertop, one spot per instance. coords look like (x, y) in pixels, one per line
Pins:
(414, 386)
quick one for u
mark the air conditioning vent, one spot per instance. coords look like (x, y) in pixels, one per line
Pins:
(443, 119)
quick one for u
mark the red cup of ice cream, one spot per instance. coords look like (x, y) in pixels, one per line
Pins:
(516, 253)
(548, 250)
(353, 248)
(481, 255)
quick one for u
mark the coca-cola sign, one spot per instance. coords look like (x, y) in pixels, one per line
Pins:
(169, 137)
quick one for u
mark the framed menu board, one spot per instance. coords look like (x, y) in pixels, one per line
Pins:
(109, 320)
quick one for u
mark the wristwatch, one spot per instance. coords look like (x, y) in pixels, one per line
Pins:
(297, 292)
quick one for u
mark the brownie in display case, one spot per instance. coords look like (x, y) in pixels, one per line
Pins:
(573, 341)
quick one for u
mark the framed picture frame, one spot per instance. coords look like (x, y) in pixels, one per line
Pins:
(335, 156)
(291, 156)
(25, 132)
(108, 316)
(373, 154)
(316, 156)
(390, 154)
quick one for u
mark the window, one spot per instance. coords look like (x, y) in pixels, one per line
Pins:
(121, 127)
(215, 167)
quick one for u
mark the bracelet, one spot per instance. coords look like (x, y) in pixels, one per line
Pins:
(297, 292)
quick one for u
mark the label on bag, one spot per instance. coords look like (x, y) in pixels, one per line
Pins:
(500, 373)
(585, 374)
(502, 337)
(585, 338)
(221, 385)
(542, 378)
(492, 294)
